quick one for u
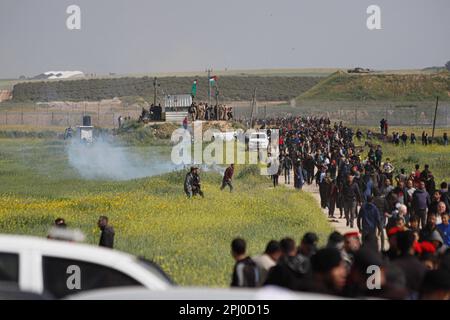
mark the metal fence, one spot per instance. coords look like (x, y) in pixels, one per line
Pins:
(63, 119)
(359, 115)
(368, 114)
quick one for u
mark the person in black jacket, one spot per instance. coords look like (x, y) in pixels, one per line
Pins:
(291, 270)
(414, 270)
(352, 196)
(107, 233)
(245, 272)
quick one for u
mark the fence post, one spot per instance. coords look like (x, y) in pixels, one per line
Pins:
(446, 116)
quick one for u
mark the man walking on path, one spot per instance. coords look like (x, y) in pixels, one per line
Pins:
(420, 203)
(287, 166)
(299, 179)
(369, 219)
(227, 177)
(352, 196)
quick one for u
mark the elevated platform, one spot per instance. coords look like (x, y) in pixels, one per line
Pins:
(175, 116)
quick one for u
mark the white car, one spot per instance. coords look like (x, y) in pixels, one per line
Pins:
(60, 268)
(258, 140)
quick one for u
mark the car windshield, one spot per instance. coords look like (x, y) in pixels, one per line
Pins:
(258, 136)
(155, 269)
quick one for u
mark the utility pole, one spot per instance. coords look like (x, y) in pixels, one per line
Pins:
(253, 108)
(155, 90)
(434, 121)
(209, 86)
(386, 113)
(216, 93)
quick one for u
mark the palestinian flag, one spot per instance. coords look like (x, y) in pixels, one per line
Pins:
(212, 80)
(194, 88)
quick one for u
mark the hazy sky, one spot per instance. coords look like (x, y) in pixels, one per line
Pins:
(137, 36)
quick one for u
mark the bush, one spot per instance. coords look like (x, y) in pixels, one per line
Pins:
(249, 171)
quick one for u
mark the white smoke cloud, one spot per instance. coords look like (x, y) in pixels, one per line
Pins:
(104, 160)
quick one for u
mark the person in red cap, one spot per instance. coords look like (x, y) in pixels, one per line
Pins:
(413, 269)
(392, 252)
(417, 247)
(352, 243)
(428, 255)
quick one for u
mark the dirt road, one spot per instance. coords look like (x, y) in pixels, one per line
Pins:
(338, 224)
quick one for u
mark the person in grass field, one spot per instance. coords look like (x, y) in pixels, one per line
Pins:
(228, 177)
(192, 184)
(107, 233)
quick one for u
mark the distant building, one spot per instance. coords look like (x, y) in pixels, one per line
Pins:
(176, 107)
(51, 75)
(359, 70)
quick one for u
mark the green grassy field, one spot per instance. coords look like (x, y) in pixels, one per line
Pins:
(7, 84)
(152, 217)
(380, 87)
(437, 156)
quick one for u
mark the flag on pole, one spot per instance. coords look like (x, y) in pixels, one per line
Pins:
(194, 89)
(212, 80)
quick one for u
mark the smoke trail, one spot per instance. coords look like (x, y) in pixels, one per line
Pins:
(103, 160)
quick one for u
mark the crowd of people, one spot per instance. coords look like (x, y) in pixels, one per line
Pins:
(203, 111)
(402, 220)
(154, 113)
(197, 111)
(402, 139)
(399, 244)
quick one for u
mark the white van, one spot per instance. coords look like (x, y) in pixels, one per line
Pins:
(258, 140)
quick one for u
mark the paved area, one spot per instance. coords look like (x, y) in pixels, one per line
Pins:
(338, 224)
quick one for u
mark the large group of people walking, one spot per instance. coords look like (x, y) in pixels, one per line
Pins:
(399, 218)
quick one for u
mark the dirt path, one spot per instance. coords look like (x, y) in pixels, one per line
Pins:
(338, 224)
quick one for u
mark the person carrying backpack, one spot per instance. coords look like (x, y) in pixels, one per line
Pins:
(245, 272)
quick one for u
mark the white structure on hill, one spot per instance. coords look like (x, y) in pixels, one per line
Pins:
(50, 75)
